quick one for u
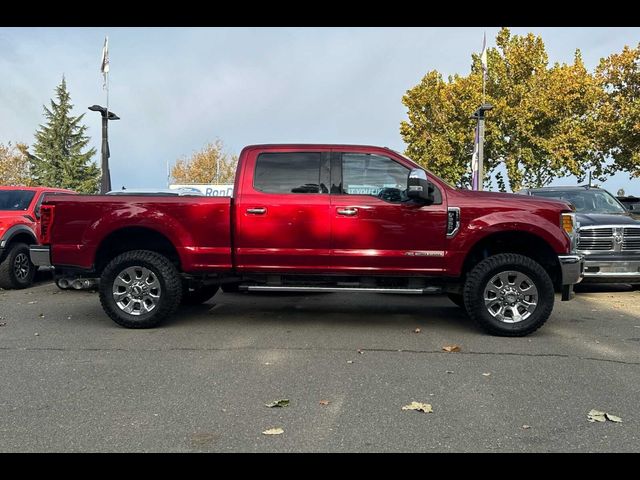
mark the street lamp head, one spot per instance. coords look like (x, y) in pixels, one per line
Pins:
(98, 108)
(485, 107)
(103, 112)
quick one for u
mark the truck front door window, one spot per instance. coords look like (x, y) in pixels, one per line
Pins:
(375, 175)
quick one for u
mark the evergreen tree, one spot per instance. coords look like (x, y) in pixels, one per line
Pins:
(58, 159)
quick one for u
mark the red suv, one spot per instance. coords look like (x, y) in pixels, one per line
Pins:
(19, 228)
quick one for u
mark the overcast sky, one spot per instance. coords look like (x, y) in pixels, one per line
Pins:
(176, 89)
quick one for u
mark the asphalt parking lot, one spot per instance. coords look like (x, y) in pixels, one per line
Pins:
(72, 380)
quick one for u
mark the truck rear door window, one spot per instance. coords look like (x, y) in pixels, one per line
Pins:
(290, 172)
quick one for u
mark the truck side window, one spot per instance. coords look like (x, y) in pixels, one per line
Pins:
(290, 172)
(376, 175)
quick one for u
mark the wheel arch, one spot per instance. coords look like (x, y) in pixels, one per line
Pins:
(519, 242)
(134, 238)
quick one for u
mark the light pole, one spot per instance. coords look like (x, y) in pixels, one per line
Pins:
(105, 182)
(479, 115)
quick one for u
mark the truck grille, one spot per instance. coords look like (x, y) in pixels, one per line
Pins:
(609, 239)
(631, 239)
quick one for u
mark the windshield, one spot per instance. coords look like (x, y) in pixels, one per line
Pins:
(14, 200)
(586, 201)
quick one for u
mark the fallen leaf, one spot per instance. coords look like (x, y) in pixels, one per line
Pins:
(278, 403)
(417, 330)
(273, 431)
(596, 416)
(526, 427)
(613, 418)
(324, 402)
(486, 374)
(451, 348)
(420, 407)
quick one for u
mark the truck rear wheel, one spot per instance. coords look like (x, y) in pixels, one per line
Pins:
(17, 271)
(509, 295)
(140, 288)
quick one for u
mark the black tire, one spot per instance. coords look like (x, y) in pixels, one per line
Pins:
(478, 279)
(161, 270)
(16, 270)
(230, 287)
(457, 298)
(635, 286)
(199, 295)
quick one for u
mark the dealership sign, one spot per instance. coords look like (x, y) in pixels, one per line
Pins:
(210, 190)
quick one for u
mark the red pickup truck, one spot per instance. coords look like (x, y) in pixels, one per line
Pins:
(19, 212)
(319, 218)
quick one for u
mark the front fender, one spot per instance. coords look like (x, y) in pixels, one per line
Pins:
(15, 230)
(477, 229)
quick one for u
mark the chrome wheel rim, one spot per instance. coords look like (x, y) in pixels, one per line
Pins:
(21, 266)
(511, 297)
(136, 290)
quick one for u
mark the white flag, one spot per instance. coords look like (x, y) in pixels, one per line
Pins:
(483, 55)
(104, 67)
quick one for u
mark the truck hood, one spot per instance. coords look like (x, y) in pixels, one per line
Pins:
(595, 219)
(511, 199)
(9, 219)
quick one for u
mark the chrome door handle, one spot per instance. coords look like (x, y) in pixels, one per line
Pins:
(349, 212)
(256, 211)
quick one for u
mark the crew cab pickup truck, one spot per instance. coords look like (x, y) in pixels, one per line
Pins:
(320, 218)
(19, 212)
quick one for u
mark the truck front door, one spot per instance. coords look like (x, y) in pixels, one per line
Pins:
(375, 230)
(282, 212)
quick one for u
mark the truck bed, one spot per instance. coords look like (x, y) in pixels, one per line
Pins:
(198, 227)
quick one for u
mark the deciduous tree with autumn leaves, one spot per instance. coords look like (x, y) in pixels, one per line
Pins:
(210, 165)
(548, 121)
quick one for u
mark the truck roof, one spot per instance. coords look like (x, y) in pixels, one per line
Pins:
(318, 145)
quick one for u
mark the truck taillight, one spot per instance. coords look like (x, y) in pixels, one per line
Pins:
(46, 221)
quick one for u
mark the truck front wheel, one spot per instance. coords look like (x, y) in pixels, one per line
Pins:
(140, 288)
(17, 271)
(509, 295)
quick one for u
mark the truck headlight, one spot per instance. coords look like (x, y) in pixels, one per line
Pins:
(570, 227)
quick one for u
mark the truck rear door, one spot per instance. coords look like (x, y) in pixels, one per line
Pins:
(282, 211)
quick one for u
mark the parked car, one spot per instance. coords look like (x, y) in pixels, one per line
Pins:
(608, 235)
(632, 204)
(320, 218)
(19, 214)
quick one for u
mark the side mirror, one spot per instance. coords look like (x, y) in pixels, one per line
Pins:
(419, 188)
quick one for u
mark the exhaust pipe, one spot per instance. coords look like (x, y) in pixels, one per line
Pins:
(76, 283)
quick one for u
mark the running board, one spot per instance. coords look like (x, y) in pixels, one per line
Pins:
(415, 291)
